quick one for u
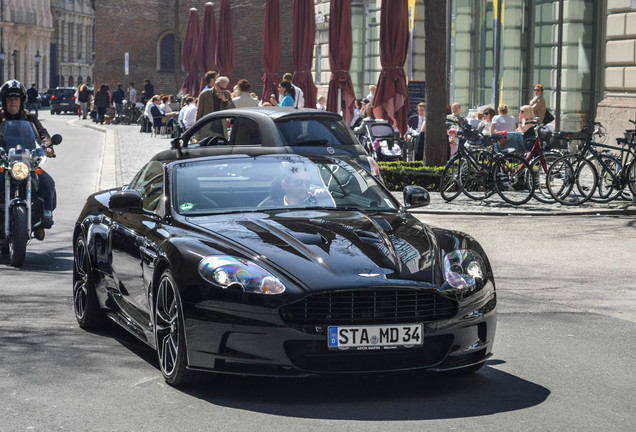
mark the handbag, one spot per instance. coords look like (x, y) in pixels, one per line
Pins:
(548, 117)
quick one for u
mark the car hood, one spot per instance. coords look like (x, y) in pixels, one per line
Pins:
(329, 249)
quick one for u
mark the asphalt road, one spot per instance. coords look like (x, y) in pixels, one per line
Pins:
(563, 356)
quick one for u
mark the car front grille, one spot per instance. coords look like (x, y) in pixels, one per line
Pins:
(378, 306)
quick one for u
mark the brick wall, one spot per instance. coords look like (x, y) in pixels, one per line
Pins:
(135, 26)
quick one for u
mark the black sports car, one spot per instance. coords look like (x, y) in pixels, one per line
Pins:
(280, 265)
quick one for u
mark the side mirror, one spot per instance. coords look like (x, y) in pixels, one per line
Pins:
(128, 201)
(56, 139)
(416, 196)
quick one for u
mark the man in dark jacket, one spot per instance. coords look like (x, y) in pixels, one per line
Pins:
(148, 93)
(13, 97)
(118, 99)
(32, 101)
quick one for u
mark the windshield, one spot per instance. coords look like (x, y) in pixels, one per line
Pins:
(18, 134)
(316, 132)
(275, 182)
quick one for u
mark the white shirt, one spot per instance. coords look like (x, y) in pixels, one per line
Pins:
(504, 123)
(244, 101)
(321, 107)
(133, 95)
(187, 115)
(165, 108)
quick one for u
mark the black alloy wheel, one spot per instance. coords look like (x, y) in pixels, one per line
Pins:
(85, 304)
(169, 333)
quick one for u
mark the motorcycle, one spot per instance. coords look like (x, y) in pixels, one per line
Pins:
(22, 212)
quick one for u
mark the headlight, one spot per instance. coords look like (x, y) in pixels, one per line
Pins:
(463, 270)
(19, 170)
(226, 271)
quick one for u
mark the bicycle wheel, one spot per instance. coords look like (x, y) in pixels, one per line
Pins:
(608, 186)
(450, 185)
(631, 177)
(540, 172)
(514, 181)
(570, 180)
(474, 178)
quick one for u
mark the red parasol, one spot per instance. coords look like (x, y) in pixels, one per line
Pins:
(225, 42)
(206, 45)
(271, 50)
(188, 53)
(340, 51)
(391, 100)
(303, 37)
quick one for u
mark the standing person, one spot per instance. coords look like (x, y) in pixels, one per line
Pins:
(358, 113)
(132, 94)
(148, 92)
(243, 98)
(208, 80)
(372, 89)
(417, 130)
(83, 96)
(286, 89)
(32, 99)
(538, 103)
(187, 113)
(321, 105)
(13, 98)
(102, 102)
(215, 99)
(503, 121)
(118, 99)
(299, 96)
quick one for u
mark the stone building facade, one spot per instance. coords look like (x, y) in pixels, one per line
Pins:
(25, 34)
(147, 33)
(41, 41)
(72, 42)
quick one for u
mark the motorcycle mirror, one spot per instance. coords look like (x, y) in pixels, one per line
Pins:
(56, 139)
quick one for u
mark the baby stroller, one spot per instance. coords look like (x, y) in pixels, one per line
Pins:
(380, 140)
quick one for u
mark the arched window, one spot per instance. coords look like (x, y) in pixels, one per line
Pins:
(166, 53)
(61, 80)
(79, 80)
(71, 81)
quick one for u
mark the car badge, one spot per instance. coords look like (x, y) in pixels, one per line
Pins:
(369, 275)
(330, 150)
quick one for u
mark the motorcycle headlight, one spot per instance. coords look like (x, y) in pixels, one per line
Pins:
(228, 271)
(463, 270)
(19, 170)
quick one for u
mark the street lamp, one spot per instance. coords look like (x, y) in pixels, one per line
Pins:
(3, 55)
(38, 57)
(79, 65)
(15, 64)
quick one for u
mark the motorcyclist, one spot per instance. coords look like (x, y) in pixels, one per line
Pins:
(13, 96)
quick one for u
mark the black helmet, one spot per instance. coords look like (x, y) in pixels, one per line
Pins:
(13, 88)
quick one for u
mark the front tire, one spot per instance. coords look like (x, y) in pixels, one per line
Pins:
(170, 333)
(85, 304)
(19, 236)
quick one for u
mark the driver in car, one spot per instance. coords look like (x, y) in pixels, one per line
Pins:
(299, 190)
(13, 96)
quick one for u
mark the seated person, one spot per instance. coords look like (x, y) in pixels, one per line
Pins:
(298, 189)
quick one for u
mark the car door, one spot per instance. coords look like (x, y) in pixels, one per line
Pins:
(134, 245)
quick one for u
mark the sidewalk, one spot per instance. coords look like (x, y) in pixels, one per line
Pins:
(126, 150)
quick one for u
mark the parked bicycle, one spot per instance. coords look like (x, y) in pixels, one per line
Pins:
(572, 179)
(480, 174)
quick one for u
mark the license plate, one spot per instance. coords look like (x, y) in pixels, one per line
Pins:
(375, 337)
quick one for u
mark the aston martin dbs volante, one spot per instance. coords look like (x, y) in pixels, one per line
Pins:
(282, 265)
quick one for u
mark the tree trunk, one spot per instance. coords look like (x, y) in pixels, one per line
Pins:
(436, 143)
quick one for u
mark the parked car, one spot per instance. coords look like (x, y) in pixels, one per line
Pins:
(63, 99)
(281, 265)
(45, 98)
(273, 130)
